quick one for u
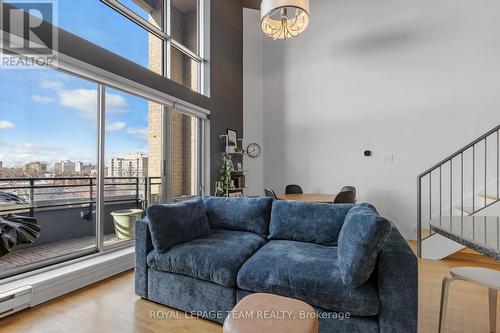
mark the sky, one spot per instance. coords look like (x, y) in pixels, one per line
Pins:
(47, 116)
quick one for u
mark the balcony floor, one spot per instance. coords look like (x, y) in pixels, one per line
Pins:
(39, 253)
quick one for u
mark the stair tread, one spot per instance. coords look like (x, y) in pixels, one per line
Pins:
(489, 196)
(468, 210)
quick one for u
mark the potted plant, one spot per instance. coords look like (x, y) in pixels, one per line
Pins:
(15, 229)
(225, 180)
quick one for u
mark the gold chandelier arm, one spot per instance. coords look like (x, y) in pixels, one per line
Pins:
(282, 19)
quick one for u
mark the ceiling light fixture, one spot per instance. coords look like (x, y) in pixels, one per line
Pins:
(282, 19)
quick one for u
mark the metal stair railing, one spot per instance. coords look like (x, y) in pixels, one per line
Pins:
(444, 172)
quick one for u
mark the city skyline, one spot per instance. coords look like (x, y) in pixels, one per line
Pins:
(76, 164)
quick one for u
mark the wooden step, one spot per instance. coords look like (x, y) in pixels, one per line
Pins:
(489, 196)
(468, 210)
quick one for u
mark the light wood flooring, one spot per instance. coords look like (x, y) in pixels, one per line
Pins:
(111, 306)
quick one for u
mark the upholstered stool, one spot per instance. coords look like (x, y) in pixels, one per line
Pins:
(489, 278)
(266, 313)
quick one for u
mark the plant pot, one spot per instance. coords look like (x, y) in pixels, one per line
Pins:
(124, 221)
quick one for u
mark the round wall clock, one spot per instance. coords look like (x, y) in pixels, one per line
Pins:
(253, 150)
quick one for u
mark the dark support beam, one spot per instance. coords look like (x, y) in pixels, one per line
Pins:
(254, 4)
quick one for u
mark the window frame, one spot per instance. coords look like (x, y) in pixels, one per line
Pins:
(104, 79)
(164, 34)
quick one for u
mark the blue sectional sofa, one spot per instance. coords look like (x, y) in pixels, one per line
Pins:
(203, 255)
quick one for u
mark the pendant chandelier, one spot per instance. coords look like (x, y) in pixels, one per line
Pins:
(282, 19)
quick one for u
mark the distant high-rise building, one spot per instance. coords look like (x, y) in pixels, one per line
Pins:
(1, 165)
(131, 165)
(85, 169)
(35, 167)
(79, 167)
(57, 168)
(66, 167)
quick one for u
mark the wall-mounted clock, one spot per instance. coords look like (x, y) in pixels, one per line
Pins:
(254, 150)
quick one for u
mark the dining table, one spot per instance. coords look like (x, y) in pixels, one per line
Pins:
(308, 197)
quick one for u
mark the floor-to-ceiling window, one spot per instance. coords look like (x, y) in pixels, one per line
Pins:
(52, 136)
(48, 157)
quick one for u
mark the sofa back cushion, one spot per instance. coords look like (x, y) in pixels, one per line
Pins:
(177, 223)
(307, 222)
(239, 214)
(362, 237)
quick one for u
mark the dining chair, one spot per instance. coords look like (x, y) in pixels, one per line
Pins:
(346, 195)
(270, 193)
(293, 189)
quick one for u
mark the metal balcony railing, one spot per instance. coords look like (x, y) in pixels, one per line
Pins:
(65, 209)
(57, 192)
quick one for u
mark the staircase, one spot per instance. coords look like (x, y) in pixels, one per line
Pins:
(465, 183)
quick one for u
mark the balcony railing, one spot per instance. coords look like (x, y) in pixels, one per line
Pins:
(55, 192)
(65, 210)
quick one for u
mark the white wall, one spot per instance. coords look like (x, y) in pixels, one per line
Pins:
(252, 99)
(416, 79)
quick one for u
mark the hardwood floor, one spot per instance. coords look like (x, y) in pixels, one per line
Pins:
(468, 303)
(111, 306)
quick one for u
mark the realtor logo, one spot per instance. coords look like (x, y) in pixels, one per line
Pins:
(28, 33)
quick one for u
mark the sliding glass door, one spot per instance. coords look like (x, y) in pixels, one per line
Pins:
(48, 158)
(185, 145)
(134, 154)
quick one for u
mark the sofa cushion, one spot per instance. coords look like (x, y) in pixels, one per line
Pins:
(361, 239)
(177, 223)
(215, 258)
(308, 272)
(240, 214)
(307, 222)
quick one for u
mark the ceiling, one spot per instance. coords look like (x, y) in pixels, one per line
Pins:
(255, 4)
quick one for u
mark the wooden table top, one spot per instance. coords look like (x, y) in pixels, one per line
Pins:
(308, 197)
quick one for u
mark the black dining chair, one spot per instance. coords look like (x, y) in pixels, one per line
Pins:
(346, 195)
(293, 189)
(270, 193)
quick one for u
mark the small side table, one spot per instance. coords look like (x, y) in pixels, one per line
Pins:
(489, 278)
(271, 313)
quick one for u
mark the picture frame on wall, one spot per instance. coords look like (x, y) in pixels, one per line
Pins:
(238, 194)
(232, 137)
